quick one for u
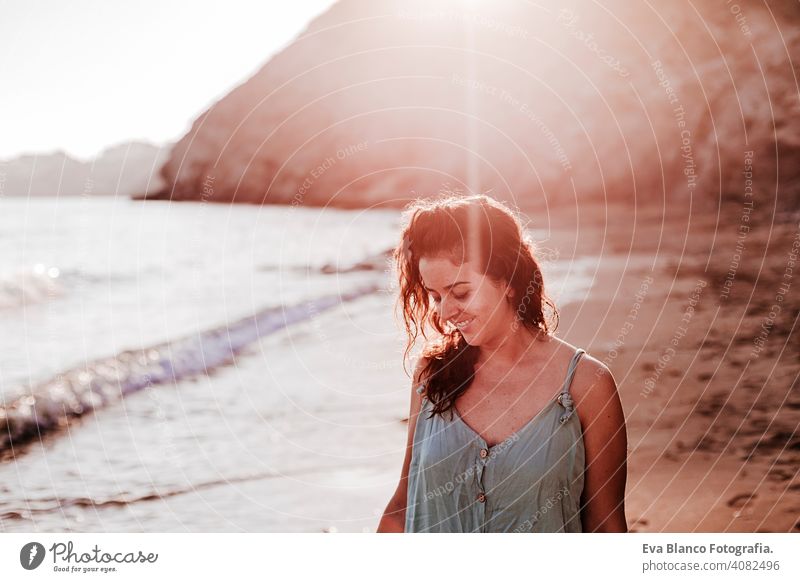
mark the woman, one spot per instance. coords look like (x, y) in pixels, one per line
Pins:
(511, 429)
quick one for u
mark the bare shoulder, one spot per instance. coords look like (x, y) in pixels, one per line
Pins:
(594, 386)
(590, 373)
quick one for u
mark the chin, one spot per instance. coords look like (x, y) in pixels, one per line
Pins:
(471, 339)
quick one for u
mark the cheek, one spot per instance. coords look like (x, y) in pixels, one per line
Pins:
(486, 307)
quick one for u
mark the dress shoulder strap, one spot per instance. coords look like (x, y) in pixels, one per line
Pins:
(564, 397)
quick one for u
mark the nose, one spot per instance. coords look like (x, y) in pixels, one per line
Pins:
(448, 311)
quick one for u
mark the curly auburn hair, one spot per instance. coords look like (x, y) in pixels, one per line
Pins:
(459, 228)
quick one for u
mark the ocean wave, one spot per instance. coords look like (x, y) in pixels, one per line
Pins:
(27, 413)
(40, 283)
(48, 505)
(31, 285)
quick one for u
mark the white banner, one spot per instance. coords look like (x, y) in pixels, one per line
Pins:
(262, 556)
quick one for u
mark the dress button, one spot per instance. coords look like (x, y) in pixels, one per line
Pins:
(484, 453)
(481, 497)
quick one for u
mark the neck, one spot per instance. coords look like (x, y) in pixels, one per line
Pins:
(508, 348)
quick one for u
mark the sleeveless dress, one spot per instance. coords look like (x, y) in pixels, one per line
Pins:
(530, 482)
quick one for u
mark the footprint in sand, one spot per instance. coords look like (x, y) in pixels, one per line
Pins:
(739, 501)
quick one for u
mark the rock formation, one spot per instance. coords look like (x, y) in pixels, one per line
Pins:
(381, 101)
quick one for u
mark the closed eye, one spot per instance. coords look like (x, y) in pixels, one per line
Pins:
(458, 297)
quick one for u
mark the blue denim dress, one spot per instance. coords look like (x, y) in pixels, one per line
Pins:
(530, 482)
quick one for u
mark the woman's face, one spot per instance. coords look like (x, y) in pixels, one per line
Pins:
(463, 294)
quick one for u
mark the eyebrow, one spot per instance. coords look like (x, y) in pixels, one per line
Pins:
(448, 286)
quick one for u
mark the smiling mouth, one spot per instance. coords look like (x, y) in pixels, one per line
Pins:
(462, 325)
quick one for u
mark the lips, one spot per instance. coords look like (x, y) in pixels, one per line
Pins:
(464, 323)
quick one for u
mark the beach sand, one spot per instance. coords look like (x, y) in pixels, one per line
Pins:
(712, 428)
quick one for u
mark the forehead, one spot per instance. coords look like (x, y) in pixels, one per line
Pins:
(438, 272)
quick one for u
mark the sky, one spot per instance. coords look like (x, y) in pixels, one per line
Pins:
(84, 75)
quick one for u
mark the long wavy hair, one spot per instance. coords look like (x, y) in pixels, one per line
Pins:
(461, 227)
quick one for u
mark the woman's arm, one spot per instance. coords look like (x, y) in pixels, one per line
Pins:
(394, 516)
(606, 444)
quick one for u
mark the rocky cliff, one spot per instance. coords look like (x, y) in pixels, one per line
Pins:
(381, 101)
